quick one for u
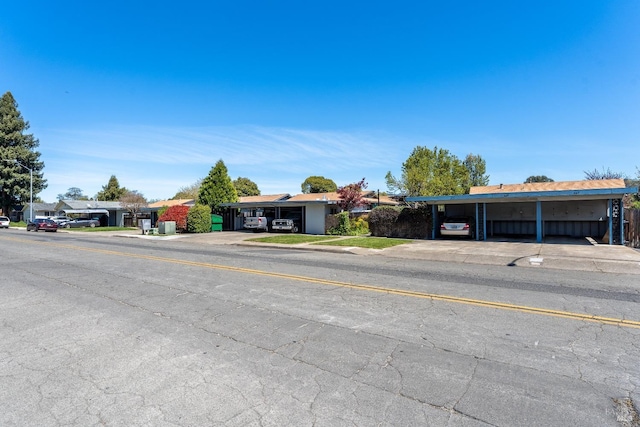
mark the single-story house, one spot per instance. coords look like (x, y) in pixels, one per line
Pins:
(174, 202)
(39, 210)
(312, 208)
(571, 208)
(109, 213)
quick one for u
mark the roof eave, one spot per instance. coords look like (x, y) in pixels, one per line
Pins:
(528, 196)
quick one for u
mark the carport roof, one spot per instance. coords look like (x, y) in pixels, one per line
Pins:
(86, 211)
(539, 191)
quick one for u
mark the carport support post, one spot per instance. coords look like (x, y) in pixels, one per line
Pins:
(621, 223)
(610, 222)
(538, 221)
(434, 217)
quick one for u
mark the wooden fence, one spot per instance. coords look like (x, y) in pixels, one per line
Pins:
(632, 227)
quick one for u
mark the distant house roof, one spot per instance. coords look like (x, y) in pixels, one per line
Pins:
(265, 198)
(88, 204)
(310, 197)
(382, 200)
(172, 202)
(371, 197)
(40, 207)
(596, 184)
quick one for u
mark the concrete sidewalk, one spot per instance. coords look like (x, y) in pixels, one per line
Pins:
(566, 254)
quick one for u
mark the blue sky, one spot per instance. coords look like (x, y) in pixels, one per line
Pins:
(156, 92)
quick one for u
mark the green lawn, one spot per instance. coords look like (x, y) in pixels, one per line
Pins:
(292, 239)
(99, 229)
(361, 242)
(367, 242)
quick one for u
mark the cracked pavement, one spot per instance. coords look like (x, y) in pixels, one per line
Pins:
(95, 339)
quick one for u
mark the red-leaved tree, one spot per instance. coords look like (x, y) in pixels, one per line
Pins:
(351, 195)
(178, 214)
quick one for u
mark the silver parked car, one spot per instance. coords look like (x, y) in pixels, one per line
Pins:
(458, 226)
(4, 222)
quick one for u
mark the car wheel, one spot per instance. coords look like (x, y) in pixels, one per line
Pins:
(67, 226)
(92, 225)
(294, 229)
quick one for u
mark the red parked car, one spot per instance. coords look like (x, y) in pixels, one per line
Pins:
(42, 224)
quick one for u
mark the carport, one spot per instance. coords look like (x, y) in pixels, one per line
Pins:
(95, 213)
(570, 208)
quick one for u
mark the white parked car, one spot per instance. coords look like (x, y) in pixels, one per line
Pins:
(59, 219)
(458, 226)
(4, 222)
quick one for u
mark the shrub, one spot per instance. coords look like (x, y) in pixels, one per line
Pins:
(162, 210)
(178, 214)
(360, 225)
(343, 225)
(411, 223)
(199, 219)
(382, 221)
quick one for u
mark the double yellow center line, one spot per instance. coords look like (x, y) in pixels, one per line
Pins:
(369, 288)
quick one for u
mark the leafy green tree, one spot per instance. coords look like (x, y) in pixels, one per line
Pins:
(537, 178)
(112, 191)
(477, 168)
(318, 184)
(217, 188)
(633, 200)
(430, 173)
(73, 193)
(605, 174)
(245, 187)
(17, 155)
(189, 192)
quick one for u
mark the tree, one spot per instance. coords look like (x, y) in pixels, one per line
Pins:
(477, 168)
(633, 200)
(318, 184)
(537, 178)
(245, 187)
(351, 195)
(133, 202)
(217, 188)
(17, 155)
(112, 191)
(430, 173)
(189, 192)
(73, 193)
(179, 214)
(608, 174)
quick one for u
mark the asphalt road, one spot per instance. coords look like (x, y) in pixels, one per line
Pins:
(124, 332)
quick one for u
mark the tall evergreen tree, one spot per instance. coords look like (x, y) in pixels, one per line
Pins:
(112, 191)
(217, 188)
(17, 155)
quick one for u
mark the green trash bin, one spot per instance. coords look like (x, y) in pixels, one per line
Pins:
(216, 222)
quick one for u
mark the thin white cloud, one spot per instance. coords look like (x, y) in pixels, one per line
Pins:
(157, 161)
